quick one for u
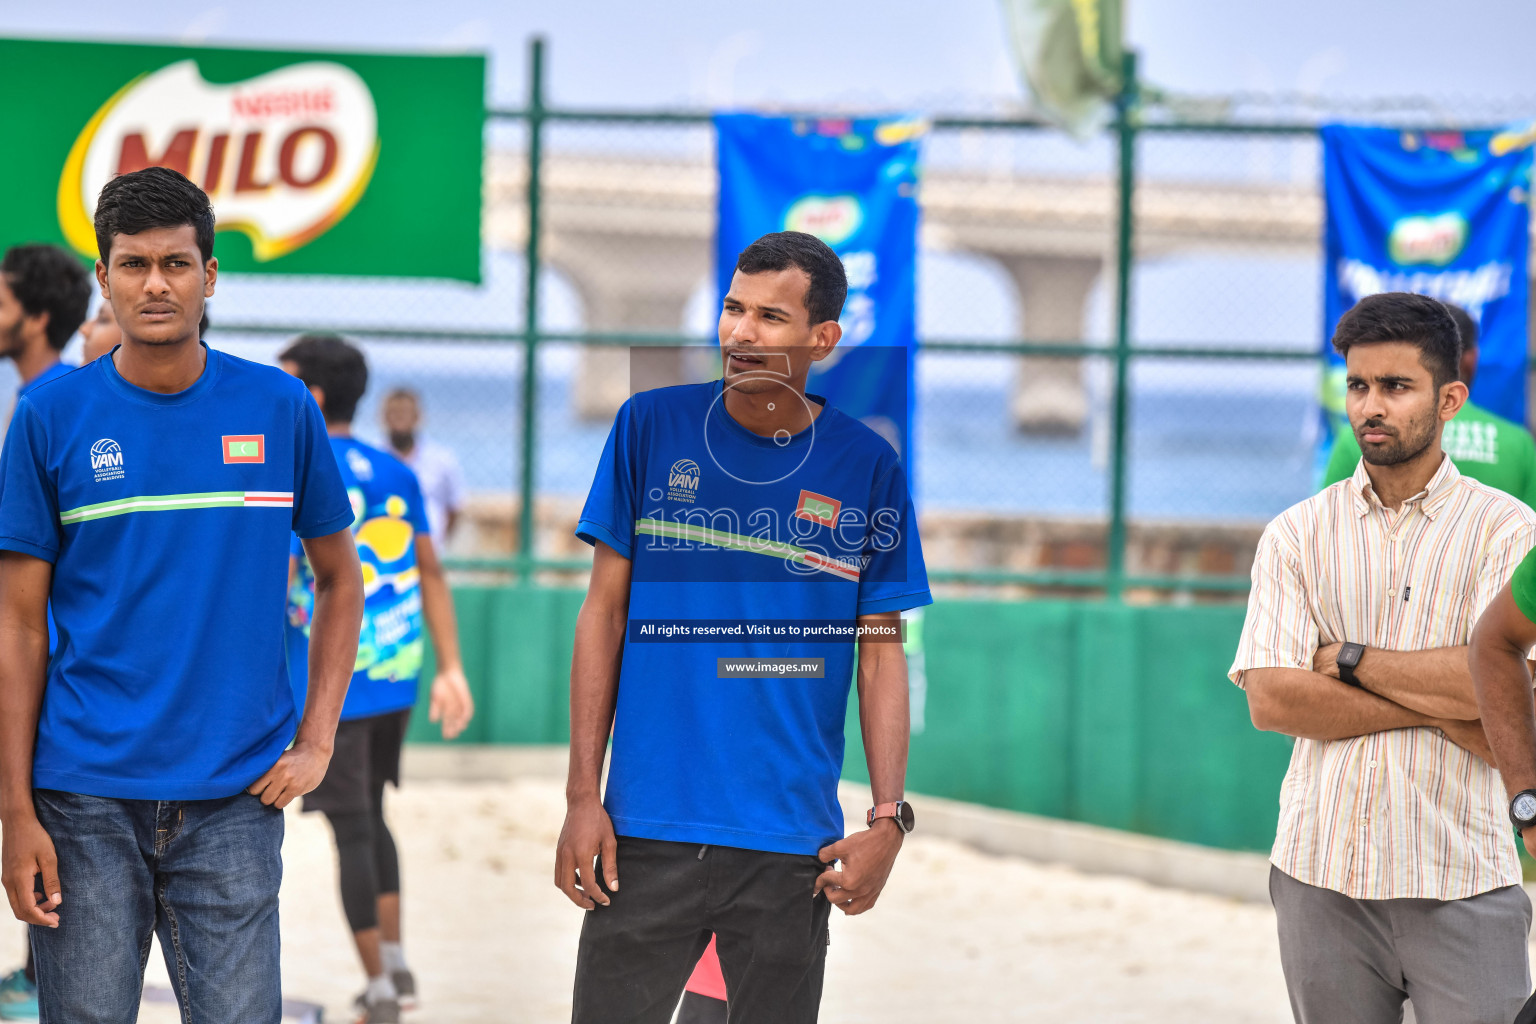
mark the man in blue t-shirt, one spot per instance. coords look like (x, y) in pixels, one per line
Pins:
(151, 496)
(402, 578)
(44, 294)
(745, 532)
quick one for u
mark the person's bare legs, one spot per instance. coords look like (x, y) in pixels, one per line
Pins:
(389, 916)
(391, 953)
(367, 942)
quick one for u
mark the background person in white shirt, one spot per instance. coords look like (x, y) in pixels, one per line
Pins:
(435, 465)
(1394, 871)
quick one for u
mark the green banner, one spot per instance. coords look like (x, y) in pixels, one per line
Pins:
(317, 163)
(1116, 715)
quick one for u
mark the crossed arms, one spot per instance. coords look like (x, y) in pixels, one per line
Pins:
(1398, 690)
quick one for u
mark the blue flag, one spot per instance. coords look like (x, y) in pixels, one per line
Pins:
(853, 184)
(1445, 214)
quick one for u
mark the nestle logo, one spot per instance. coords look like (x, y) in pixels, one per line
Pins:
(285, 103)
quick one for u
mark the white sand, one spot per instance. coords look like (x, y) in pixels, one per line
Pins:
(958, 935)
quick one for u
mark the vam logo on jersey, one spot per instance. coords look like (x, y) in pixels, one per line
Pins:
(683, 481)
(244, 448)
(107, 460)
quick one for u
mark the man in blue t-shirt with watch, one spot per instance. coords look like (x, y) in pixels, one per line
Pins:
(744, 531)
(150, 496)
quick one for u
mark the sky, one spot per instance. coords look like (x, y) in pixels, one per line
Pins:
(906, 54)
(932, 56)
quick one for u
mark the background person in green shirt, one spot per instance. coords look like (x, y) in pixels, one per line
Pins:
(1488, 448)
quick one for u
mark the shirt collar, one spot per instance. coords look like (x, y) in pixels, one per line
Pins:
(1432, 498)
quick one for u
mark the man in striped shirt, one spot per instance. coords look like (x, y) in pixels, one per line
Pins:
(1394, 875)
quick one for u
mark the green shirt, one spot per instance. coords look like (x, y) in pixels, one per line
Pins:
(1485, 447)
(1522, 585)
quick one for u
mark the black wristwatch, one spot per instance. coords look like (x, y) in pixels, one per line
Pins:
(1522, 810)
(1349, 657)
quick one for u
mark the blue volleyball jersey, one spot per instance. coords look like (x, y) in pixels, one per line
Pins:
(735, 533)
(167, 519)
(388, 515)
(53, 373)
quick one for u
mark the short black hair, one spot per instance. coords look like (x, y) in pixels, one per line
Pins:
(335, 366)
(1465, 325)
(46, 279)
(1416, 320)
(784, 249)
(156, 197)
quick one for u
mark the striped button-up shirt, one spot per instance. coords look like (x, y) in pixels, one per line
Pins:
(1402, 813)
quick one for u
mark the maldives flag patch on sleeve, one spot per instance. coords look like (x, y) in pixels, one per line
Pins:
(244, 448)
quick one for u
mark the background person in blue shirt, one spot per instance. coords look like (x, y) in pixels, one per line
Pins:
(738, 503)
(151, 496)
(44, 294)
(402, 579)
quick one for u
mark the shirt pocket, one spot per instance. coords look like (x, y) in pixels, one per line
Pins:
(1435, 612)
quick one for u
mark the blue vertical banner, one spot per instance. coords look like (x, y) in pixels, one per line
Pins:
(1442, 213)
(853, 184)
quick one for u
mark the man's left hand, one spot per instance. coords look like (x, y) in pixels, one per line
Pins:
(451, 702)
(1326, 660)
(867, 860)
(299, 770)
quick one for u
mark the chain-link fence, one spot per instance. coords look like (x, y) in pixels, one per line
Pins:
(1022, 432)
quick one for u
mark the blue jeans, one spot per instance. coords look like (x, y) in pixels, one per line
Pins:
(202, 874)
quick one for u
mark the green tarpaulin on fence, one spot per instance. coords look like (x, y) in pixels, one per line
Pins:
(1111, 714)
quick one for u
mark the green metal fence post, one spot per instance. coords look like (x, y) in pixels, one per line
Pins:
(535, 119)
(1125, 133)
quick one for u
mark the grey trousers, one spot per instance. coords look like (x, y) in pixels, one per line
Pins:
(1459, 961)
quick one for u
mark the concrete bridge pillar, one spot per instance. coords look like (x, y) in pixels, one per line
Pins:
(1049, 396)
(627, 283)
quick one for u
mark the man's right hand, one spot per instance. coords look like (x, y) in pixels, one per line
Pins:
(586, 834)
(26, 852)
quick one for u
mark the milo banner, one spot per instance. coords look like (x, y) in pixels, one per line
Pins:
(1445, 214)
(853, 184)
(317, 163)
